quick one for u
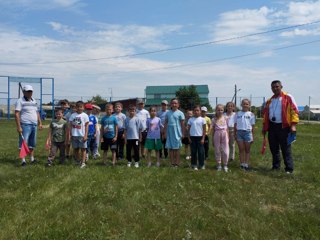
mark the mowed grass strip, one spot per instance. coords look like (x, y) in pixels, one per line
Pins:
(104, 202)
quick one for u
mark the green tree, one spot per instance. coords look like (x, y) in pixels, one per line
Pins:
(98, 100)
(188, 97)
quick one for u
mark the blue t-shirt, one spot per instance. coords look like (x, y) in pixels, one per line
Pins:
(109, 124)
(92, 125)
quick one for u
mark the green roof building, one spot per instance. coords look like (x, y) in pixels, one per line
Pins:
(155, 94)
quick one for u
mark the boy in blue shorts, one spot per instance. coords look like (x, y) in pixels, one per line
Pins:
(109, 134)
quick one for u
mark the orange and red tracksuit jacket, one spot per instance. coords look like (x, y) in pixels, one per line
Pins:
(289, 113)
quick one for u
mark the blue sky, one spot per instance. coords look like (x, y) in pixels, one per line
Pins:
(48, 38)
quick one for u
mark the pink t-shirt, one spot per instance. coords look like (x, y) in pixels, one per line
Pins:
(219, 124)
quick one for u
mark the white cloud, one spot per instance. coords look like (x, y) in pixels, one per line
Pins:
(311, 58)
(74, 5)
(242, 22)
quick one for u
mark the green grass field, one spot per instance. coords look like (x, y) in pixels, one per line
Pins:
(99, 202)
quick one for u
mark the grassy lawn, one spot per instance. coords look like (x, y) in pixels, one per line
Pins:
(99, 202)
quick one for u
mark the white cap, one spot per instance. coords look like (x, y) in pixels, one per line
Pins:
(204, 109)
(27, 88)
(164, 102)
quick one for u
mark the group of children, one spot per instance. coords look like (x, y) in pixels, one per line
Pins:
(143, 131)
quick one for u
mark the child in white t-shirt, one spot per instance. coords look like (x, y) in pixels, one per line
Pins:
(79, 122)
(197, 133)
(244, 128)
(230, 108)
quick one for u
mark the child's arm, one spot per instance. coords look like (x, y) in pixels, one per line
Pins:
(213, 130)
(124, 136)
(101, 133)
(85, 138)
(67, 141)
(188, 130)
(116, 134)
(48, 142)
(204, 128)
(182, 127)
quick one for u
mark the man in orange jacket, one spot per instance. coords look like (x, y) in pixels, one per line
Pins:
(279, 119)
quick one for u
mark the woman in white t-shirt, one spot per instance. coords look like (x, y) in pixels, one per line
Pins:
(244, 127)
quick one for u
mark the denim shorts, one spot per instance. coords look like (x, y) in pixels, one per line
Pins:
(244, 135)
(77, 142)
(29, 133)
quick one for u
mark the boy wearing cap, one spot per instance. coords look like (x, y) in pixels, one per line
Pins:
(162, 115)
(27, 120)
(92, 132)
(204, 111)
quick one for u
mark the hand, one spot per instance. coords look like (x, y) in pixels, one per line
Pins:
(202, 141)
(114, 139)
(19, 130)
(40, 126)
(189, 140)
(85, 139)
(293, 128)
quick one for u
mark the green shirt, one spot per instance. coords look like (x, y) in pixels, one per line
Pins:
(58, 130)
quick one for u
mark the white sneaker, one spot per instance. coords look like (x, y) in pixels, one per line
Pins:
(187, 157)
(195, 168)
(225, 168)
(203, 167)
(219, 168)
(83, 165)
(136, 164)
(129, 164)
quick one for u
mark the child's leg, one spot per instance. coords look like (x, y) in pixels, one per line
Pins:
(149, 157)
(62, 151)
(247, 152)
(241, 151)
(177, 156)
(105, 156)
(201, 153)
(231, 144)
(114, 157)
(76, 154)
(225, 148)
(217, 150)
(128, 151)
(83, 155)
(171, 153)
(136, 150)
(158, 157)
(52, 153)
(194, 149)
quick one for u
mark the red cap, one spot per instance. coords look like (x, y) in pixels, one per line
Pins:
(88, 106)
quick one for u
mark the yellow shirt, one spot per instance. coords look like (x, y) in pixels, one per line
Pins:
(208, 124)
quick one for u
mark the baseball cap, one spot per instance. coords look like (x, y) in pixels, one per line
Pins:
(164, 102)
(204, 109)
(88, 106)
(27, 88)
(140, 100)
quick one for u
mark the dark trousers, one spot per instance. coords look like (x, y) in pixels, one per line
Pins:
(132, 144)
(91, 144)
(277, 138)
(55, 146)
(197, 152)
(120, 145)
(165, 150)
(206, 146)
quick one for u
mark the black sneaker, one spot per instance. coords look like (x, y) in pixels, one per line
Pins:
(34, 162)
(23, 164)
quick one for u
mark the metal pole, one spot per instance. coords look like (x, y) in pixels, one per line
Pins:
(8, 108)
(309, 110)
(52, 98)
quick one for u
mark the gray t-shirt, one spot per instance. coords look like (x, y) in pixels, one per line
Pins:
(58, 130)
(120, 118)
(28, 110)
(133, 126)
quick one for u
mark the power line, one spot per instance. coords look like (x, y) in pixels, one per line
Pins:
(164, 50)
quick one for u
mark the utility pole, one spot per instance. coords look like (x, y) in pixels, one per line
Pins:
(309, 112)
